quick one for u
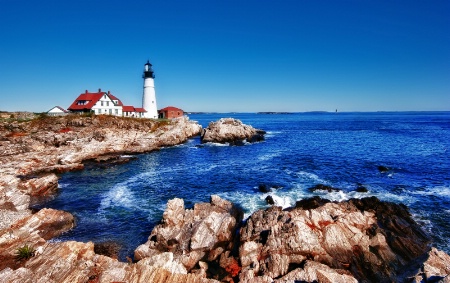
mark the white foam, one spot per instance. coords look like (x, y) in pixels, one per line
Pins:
(269, 156)
(216, 144)
(119, 195)
(311, 176)
(271, 134)
(440, 191)
(62, 185)
(284, 201)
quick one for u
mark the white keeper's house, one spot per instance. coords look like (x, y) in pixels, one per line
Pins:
(105, 103)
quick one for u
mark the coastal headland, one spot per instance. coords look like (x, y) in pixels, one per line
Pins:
(363, 240)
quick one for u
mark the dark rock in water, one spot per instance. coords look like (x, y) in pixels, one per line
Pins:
(264, 188)
(311, 203)
(383, 169)
(257, 137)
(361, 189)
(321, 187)
(269, 200)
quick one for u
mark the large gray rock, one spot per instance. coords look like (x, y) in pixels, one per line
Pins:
(366, 240)
(205, 232)
(232, 131)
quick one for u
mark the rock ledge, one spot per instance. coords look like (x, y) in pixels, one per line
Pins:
(232, 131)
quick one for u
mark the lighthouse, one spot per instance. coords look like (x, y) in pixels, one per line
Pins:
(149, 96)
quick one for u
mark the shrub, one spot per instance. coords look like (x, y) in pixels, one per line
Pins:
(25, 252)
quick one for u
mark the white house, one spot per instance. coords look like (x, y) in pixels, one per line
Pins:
(57, 111)
(97, 102)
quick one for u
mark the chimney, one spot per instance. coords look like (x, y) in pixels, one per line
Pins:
(99, 90)
(109, 92)
(86, 91)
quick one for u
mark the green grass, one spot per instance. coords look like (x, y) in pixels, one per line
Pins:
(25, 252)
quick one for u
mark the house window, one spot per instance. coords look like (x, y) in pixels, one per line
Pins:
(117, 111)
(102, 103)
(107, 103)
(110, 111)
(104, 96)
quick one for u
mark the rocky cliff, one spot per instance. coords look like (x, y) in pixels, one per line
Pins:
(360, 240)
(363, 240)
(32, 151)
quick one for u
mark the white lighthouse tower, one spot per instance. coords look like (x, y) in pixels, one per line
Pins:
(149, 96)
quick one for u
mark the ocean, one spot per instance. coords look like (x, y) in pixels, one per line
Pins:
(123, 203)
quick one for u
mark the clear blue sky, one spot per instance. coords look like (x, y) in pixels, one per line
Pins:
(243, 56)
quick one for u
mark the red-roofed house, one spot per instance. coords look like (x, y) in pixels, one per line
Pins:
(104, 103)
(170, 112)
(98, 103)
(131, 111)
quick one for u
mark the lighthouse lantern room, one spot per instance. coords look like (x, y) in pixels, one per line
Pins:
(149, 96)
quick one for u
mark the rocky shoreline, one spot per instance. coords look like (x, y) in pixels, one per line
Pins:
(363, 240)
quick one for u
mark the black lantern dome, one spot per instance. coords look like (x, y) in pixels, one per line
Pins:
(148, 71)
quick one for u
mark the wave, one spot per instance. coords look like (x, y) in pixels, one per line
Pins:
(440, 191)
(269, 156)
(119, 195)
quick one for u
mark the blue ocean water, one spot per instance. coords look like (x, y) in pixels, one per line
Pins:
(123, 203)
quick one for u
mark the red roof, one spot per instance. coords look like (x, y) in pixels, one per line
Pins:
(132, 109)
(171, 108)
(115, 98)
(90, 98)
(128, 108)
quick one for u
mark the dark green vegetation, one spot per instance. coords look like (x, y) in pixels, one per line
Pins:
(25, 252)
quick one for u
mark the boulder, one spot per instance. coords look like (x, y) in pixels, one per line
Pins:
(361, 189)
(360, 239)
(383, 169)
(232, 131)
(270, 200)
(205, 232)
(321, 187)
